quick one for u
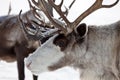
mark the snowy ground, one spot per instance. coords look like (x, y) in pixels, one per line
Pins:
(8, 71)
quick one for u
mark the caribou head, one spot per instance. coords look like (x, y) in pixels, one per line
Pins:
(92, 49)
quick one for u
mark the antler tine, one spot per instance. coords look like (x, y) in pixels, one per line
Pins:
(35, 3)
(9, 11)
(23, 26)
(72, 4)
(67, 9)
(30, 5)
(39, 17)
(44, 9)
(59, 11)
(97, 5)
(35, 14)
(22, 23)
(109, 6)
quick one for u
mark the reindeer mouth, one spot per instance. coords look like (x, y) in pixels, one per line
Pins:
(28, 65)
(35, 72)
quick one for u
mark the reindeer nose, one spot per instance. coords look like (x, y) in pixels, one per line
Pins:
(28, 65)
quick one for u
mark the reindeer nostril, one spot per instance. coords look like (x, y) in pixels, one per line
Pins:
(28, 65)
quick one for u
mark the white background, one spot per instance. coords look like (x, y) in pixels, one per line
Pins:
(102, 16)
(8, 71)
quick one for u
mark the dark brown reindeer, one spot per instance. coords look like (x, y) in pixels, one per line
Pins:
(15, 44)
(94, 50)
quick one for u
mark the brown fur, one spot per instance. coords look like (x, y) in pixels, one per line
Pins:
(14, 45)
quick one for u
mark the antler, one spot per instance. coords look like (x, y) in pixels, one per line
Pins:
(39, 17)
(97, 5)
(9, 11)
(39, 33)
(69, 26)
(94, 7)
(23, 26)
(41, 4)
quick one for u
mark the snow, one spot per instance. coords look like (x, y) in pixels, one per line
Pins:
(8, 71)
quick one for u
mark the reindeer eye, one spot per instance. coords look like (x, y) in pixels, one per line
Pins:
(61, 41)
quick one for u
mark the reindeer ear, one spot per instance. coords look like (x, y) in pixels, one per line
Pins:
(82, 30)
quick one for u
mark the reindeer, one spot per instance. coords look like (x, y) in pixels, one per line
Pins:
(94, 50)
(15, 43)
